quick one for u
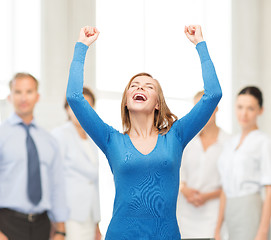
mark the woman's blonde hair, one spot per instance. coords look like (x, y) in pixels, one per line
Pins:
(163, 117)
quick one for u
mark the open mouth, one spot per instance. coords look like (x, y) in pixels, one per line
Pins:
(139, 97)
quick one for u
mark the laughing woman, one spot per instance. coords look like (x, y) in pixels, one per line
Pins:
(146, 158)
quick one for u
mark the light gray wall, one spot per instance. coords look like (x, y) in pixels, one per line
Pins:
(251, 52)
(265, 33)
(61, 23)
(62, 20)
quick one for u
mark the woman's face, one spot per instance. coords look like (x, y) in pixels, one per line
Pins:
(142, 95)
(247, 111)
(71, 115)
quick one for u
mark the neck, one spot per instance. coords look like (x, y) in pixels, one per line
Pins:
(142, 125)
(246, 131)
(209, 130)
(80, 131)
(27, 118)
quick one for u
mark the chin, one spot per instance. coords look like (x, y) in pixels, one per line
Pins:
(245, 125)
(24, 113)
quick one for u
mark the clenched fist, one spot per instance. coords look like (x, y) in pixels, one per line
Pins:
(88, 35)
(194, 33)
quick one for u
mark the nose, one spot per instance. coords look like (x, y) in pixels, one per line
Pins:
(244, 113)
(139, 87)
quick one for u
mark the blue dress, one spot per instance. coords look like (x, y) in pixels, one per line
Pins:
(146, 185)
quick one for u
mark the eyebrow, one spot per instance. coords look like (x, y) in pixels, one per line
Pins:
(148, 83)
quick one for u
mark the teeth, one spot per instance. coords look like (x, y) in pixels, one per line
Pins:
(140, 95)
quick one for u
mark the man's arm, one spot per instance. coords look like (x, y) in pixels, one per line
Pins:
(59, 233)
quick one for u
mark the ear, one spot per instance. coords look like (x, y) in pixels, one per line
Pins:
(38, 97)
(157, 106)
(261, 111)
(9, 98)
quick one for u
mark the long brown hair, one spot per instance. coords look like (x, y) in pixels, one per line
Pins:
(163, 117)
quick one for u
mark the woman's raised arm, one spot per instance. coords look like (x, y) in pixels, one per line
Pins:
(195, 120)
(88, 118)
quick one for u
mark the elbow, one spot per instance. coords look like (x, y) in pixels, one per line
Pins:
(69, 97)
(72, 98)
(217, 94)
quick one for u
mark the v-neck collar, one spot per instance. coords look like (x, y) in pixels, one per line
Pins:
(133, 146)
(245, 139)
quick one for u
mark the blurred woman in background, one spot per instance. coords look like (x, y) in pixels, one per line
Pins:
(245, 169)
(200, 188)
(80, 156)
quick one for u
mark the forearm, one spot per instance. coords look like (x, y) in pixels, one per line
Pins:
(213, 195)
(59, 227)
(196, 119)
(186, 191)
(76, 74)
(266, 212)
(212, 87)
(222, 205)
(88, 118)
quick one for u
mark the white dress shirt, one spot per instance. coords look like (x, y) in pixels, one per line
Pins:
(81, 173)
(199, 171)
(246, 169)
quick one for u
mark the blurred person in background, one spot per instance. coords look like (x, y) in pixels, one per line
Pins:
(245, 170)
(200, 186)
(31, 171)
(81, 165)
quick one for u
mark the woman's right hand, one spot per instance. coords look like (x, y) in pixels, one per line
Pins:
(88, 35)
(189, 194)
(194, 33)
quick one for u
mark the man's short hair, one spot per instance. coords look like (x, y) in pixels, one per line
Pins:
(22, 75)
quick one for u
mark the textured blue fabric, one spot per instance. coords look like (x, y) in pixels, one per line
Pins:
(146, 185)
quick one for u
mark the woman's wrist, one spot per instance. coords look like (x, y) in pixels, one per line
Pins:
(199, 41)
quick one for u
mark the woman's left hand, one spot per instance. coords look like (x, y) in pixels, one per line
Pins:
(194, 33)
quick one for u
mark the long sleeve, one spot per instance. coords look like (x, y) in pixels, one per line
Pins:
(88, 118)
(59, 210)
(195, 120)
